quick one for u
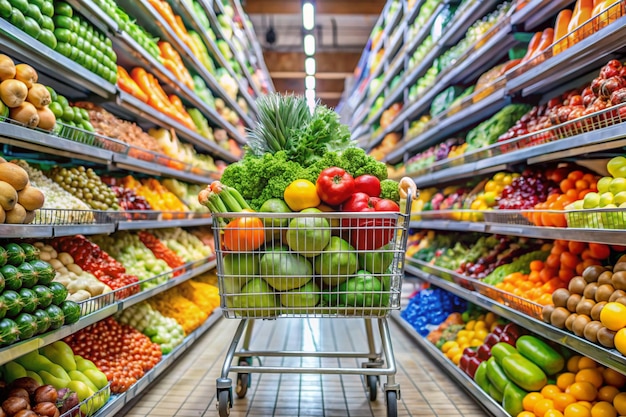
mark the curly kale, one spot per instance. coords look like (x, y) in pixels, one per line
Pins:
(259, 179)
(389, 189)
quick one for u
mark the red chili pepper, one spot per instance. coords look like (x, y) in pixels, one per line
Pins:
(334, 186)
(369, 234)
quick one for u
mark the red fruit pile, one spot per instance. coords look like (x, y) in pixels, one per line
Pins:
(527, 190)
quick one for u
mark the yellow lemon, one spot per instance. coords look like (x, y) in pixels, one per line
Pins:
(300, 195)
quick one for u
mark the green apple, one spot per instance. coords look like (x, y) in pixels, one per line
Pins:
(605, 199)
(258, 297)
(576, 205)
(306, 296)
(617, 167)
(603, 184)
(617, 185)
(619, 198)
(591, 200)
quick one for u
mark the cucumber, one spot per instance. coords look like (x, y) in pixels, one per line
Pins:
(12, 277)
(31, 252)
(44, 295)
(71, 311)
(8, 331)
(59, 292)
(540, 353)
(523, 372)
(44, 271)
(56, 316)
(15, 254)
(30, 302)
(43, 321)
(27, 325)
(28, 275)
(13, 303)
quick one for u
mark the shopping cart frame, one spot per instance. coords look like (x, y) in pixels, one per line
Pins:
(377, 362)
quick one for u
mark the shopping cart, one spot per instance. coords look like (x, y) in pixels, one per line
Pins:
(358, 275)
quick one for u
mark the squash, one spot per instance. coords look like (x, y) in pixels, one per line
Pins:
(47, 120)
(14, 175)
(7, 68)
(13, 92)
(26, 74)
(30, 198)
(38, 96)
(16, 216)
(26, 114)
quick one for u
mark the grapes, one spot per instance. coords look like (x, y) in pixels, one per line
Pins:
(85, 184)
(526, 191)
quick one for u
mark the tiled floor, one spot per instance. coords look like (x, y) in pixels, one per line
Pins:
(189, 388)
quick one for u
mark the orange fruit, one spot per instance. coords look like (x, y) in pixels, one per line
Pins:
(576, 410)
(593, 375)
(562, 400)
(526, 414)
(553, 413)
(607, 393)
(572, 363)
(614, 378)
(569, 260)
(586, 404)
(619, 402)
(542, 406)
(549, 391)
(620, 339)
(599, 250)
(530, 400)
(603, 409)
(613, 316)
(576, 247)
(583, 391)
(565, 379)
(575, 175)
(586, 362)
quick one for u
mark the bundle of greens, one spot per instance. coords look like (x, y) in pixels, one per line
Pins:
(289, 143)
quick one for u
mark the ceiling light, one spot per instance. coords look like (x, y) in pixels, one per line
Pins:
(309, 82)
(309, 44)
(308, 16)
(309, 66)
(310, 94)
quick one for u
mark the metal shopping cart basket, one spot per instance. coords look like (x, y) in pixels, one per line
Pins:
(310, 264)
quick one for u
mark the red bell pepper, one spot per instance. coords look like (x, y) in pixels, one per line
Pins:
(369, 234)
(334, 186)
(367, 184)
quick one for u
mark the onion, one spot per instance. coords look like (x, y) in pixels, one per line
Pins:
(25, 113)
(26, 74)
(47, 119)
(13, 92)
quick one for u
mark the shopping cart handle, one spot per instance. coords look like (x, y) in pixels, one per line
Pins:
(407, 187)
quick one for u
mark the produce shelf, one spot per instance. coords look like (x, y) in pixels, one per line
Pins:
(153, 22)
(60, 72)
(464, 19)
(188, 16)
(117, 402)
(483, 399)
(161, 223)
(99, 308)
(546, 71)
(126, 162)
(129, 107)
(443, 126)
(608, 357)
(538, 11)
(94, 14)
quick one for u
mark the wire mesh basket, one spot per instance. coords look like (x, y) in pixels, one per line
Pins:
(54, 217)
(601, 218)
(322, 264)
(89, 406)
(507, 217)
(520, 304)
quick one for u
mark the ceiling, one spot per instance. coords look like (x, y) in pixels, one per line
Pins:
(342, 28)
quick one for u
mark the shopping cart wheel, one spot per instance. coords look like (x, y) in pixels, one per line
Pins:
(392, 404)
(223, 403)
(372, 384)
(243, 380)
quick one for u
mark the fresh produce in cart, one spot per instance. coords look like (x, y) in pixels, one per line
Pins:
(319, 257)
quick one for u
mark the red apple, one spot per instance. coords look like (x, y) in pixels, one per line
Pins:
(469, 352)
(491, 339)
(464, 362)
(474, 362)
(484, 352)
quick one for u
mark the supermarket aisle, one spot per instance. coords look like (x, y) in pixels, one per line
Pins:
(189, 388)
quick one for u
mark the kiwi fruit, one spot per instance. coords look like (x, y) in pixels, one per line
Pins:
(573, 301)
(590, 290)
(619, 280)
(577, 285)
(578, 327)
(596, 309)
(617, 294)
(546, 312)
(558, 317)
(584, 306)
(605, 278)
(590, 332)
(560, 297)
(570, 321)
(592, 272)
(604, 292)
(606, 337)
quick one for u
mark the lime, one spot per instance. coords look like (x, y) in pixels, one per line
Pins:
(47, 23)
(47, 9)
(31, 27)
(17, 19)
(56, 109)
(62, 35)
(47, 38)
(5, 9)
(63, 9)
(21, 5)
(68, 114)
(34, 12)
(63, 48)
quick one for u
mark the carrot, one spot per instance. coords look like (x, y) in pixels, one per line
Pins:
(532, 46)
(129, 85)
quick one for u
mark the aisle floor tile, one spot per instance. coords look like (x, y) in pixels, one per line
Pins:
(188, 389)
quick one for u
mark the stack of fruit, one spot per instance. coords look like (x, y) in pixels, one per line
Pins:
(186, 245)
(74, 117)
(31, 302)
(80, 284)
(173, 304)
(85, 184)
(138, 260)
(611, 194)
(160, 250)
(489, 196)
(19, 198)
(432, 307)
(111, 346)
(157, 196)
(470, 336)
(526, 191)
(22, 98)
(33, 18)
(59, 368)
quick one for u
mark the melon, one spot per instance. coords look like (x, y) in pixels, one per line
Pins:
(14, 175)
